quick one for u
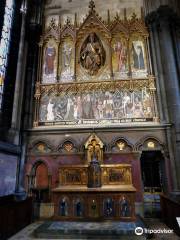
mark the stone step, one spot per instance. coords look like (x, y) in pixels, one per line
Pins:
(89, 230)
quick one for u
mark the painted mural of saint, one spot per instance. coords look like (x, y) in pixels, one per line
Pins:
(69, 109)
(67, 64)
(87, 107)
(50, 112)
(92, 55)
(138, 55)
(67, 52)
(121, 56)
(108, 105)
(125, 102)
(137, 108)
(50, 54)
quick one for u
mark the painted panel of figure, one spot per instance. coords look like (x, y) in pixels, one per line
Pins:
(49, 63)
(92, 54)
(96, 106)
(78, 208)
(93, 208)
(67, 61)
(108, 206)
(119, 58)
(125, 208)
(63, 207)
(138, 59)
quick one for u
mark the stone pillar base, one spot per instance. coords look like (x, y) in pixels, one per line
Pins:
(43, 210)
(20, 195)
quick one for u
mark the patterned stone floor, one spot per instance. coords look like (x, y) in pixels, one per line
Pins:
(26, 233)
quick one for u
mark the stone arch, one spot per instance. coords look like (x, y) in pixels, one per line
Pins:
(39, 181)
(36, 164)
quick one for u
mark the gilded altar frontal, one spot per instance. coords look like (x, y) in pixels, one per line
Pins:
(89, 116)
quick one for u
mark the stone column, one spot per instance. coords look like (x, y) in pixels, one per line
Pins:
(171, 81)
(20, 193)
(15, 131)
(165, 68)
(139, 204)
(19, 85)
(157, 68)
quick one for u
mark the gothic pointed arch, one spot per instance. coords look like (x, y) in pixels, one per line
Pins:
(40, 146)
(52, 30)
(68, 145)
(149, 143)
(121, 144)
(68, 30)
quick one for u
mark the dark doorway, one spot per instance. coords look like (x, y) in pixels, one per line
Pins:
(152, 171)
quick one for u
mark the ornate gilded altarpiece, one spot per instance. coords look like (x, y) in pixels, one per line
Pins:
(95, 72)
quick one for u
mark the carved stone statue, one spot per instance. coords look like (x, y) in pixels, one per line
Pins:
(94, 146)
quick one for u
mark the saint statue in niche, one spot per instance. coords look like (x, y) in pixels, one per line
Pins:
(138, 55)
(121, 56)
(50, 54)
(92, 54)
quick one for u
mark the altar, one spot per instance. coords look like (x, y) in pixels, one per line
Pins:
(95, 190)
